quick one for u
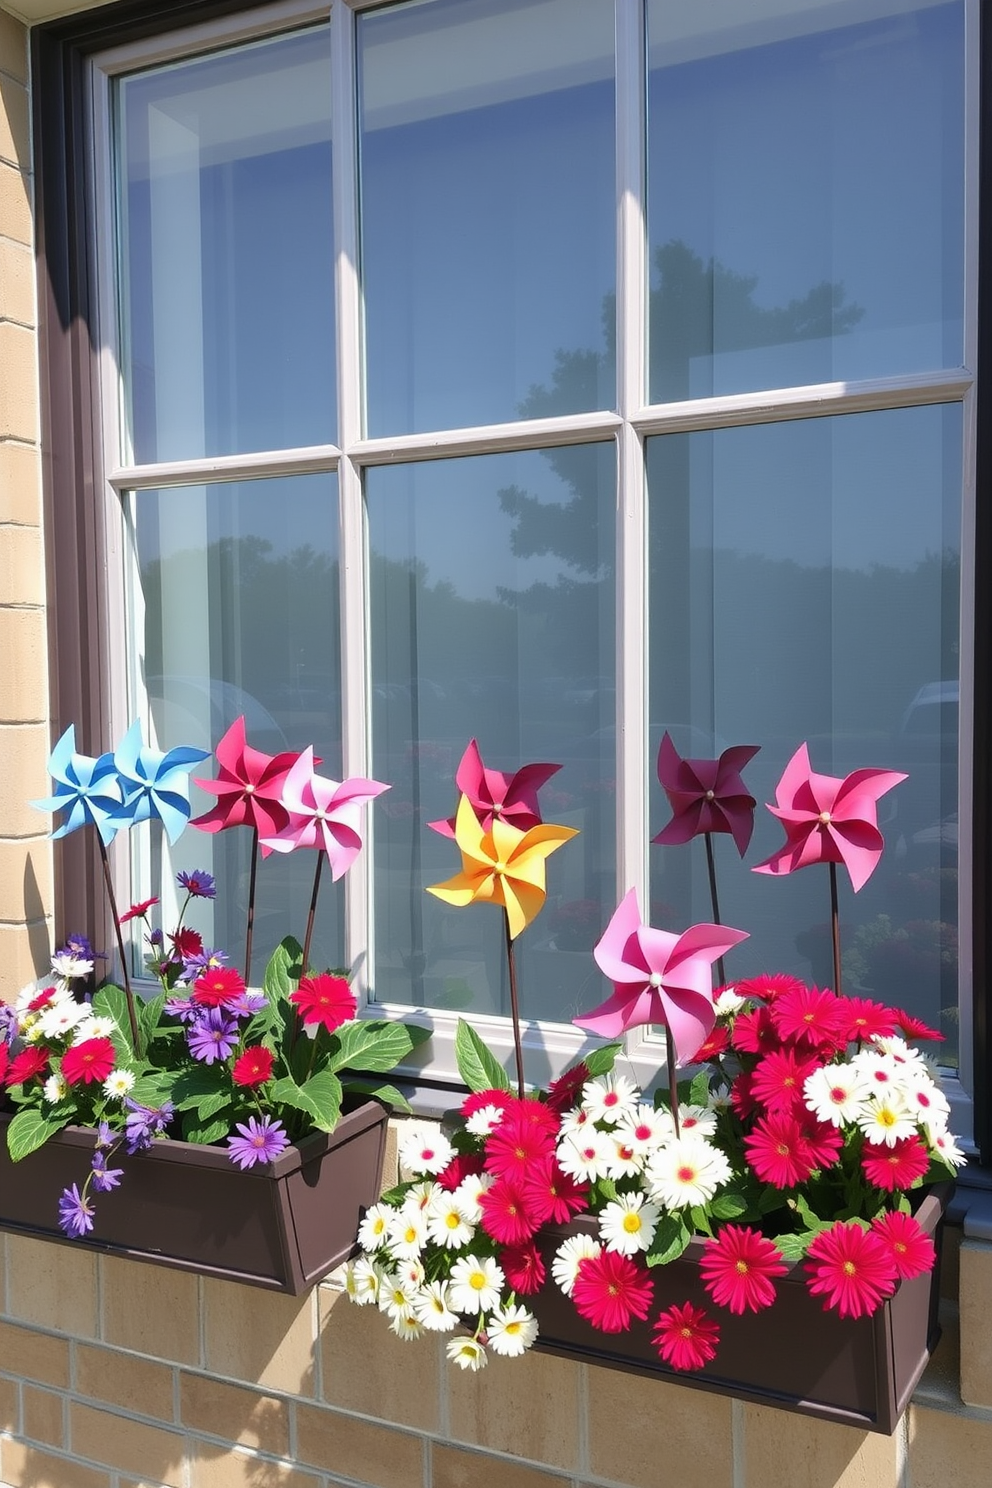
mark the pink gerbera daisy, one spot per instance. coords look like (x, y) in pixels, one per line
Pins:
(910, 1247)
(713, 1046)
(504, 1212)
(685, 1337)
(778, 1151)
(479, 1099)
(915, 1027)
(867, 1019)
(812, 1017)
(768, 985)
(895, 1167)
(515, 1146)
(755, 1033)
(777, 1080)
(523, 1267)
(551, 1195)
(852, 1269)
(460, 1166)
(610, 1289)
(738, 1269)
(823, 1140)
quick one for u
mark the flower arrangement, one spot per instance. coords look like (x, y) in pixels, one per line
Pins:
(206, 1059)
(802, 1131)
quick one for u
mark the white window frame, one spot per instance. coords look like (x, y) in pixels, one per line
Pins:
(629, 426)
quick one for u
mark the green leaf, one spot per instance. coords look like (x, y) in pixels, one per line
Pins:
(671, 1237)
(192, 1086)
(374, 1045)
(284, 969)
(30, 1130)
(601, 1061)
(319, 1097)
(153, 1088)
(728, 1206)
(205, 1136)
(477, 1065)
(148, 1016)
(700, 1220)
(110, 1002)
(379, 1091)
(794, 1247)
(699, 1090)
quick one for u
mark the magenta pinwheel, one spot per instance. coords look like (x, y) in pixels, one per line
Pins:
(248, 787)
(496, 793)
(828, 819)
(706, 795)
(324, 814)
(658, 978)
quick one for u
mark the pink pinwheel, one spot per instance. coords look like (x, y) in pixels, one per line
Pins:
(706, 795)
(323, 813)
(494, 793)
(829, 820)
(248, 787)
(658, 978)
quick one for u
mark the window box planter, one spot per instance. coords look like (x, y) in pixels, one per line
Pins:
(793, 1355)
(280, 1225)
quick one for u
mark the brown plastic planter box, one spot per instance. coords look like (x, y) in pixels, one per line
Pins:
(793, 1355)
(281, 1225)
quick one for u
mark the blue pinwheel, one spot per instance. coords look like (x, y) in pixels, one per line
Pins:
(153, 784)
(87, 789)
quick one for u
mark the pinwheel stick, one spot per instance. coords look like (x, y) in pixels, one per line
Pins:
(128, 994)
(835, 927)
(673, 1084)
(518, 1051)
(311, 915)
(711, 868)
(250, 927)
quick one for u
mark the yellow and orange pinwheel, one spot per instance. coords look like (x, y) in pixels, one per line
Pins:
(503, 865)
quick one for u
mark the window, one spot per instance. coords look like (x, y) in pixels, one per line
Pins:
(555, 373)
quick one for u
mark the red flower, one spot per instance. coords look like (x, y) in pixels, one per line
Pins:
(754, 1032)
(460, 1166)
(186, 942)
(852, 1268)
(137, 911)
(742, 1102)
(609, 1290)
(564, 1093)
(777, 1080)
(217, 987)
(25, 1066)
(895, 1167)
(90, 1061)
(768, 985)
(534, 1115)
(685, 1337)
(551, 1194)
(867, 1019)
(911, 1248)
(253, 1067)
(481, 1098)
(325, 999)
(914, 1027)
(813, 1017)
(523, 1268)
(737, 1269)
(778, 1153)
(4, 1059)
(713, 1045)
(504, 1213)
(515, 1145)
(42, 1000)
(823, 1140)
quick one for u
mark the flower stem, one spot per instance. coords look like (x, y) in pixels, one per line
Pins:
(673, 1085)
(518, 1052)
(128, 994)
(835, 927)
(304, 970)
(249, 929)
(711, 868)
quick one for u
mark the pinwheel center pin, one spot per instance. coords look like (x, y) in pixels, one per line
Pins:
(824, 818)
(499, 867)
(655, 979)
(711, 795)
(249, 789)
(497, 807)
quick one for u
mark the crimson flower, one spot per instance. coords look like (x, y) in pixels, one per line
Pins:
(504, 1212)
(716, 1042)
(325, 999)
(564, 1092)
(706, 795)
(895, 1167)
(186, 943)
(217, 987)
(523, 1267)
(767, 985)
(248, 787)
(253, 1067)
(812, 1017)
(551, 1195)
(25, 1065)
(911, 1027)
(90, 1061)
(610, 1289)
(912, 1250)
(823, 1140)
(4, 1058)
(738, 1268)
(479, 1099)
(495, 793)
(867, 1019)
(778, 1151)
(685, 1337)
(460, 1167)
(777, 1080)
(755, 1033)
(851, 1268)
(828, 819)
(137, 911)
(742, 1102)
(515, 1145)
(42, 999)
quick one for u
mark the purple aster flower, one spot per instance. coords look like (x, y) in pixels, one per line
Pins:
(142, 1123)
(248, 1004)
(104, 1136)
(156, 938)
(213, 1035)
(8, 1024)
(260, 1141)
(104, 1178)
(181, 1008)
(206, 960)
(75, 1213)
(198, 884)
(81, 947)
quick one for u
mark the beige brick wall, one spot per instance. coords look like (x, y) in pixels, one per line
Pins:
(25, 854)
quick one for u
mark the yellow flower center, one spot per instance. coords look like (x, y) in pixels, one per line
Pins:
(632, 1223)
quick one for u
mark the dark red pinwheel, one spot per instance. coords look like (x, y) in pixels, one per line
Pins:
(706, 795)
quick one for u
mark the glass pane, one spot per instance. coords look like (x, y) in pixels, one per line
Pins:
(805, 192)
(805, 584)
(228, 274)
(488, 210)
(239, 590)
(492, 618)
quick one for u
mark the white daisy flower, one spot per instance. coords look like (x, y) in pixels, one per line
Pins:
(719, 1098)
(728, 1003)
(586, 1155)
(948, 1149)
(118, 1084)
(407, 1233)
(897, 1049)
(60, 1018)
(395, 1294)
(932, 1108)
(373, 1232)
(485, 1120)
(605, 1099)
(432, 1308)
(628, 1225)
(363, 1279)
(646, 1128)
(627, 1160)
(411, 1270)
(836, 1093)
(448, 1224)
(475, 1284)
(886, 1119)
(882, 1074)
(94, 1028)
(421, 1196)
(687, 1171)
(425, 1149)
(406, 1324)
(565, 1266)
(468, 1191)
(576, 1120)
(700, 1121)
(511, 1330)
(66, 966)
(55, 1089)
(467, 1353)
